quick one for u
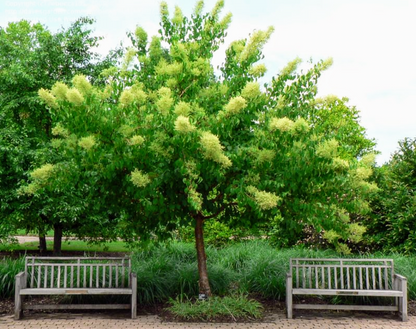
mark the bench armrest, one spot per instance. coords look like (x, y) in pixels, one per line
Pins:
(21, 279)
(399, 277)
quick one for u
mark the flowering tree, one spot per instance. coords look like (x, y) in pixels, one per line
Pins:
(32, 57)
(170, 142)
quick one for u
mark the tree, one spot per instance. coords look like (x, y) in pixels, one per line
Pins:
(170, 142)
(392, 223)
(32, 57)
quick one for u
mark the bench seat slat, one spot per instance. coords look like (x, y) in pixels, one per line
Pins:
(76, 291)
(77, 307)
(346, 307)
(351, 292)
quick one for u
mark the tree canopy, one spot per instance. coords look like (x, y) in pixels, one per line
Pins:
(170, 141)
(31, 57)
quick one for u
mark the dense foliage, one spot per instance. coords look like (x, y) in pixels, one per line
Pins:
(31, 57)
(393, 221)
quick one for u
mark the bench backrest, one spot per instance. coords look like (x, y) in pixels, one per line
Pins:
(356, 274)
(78, 272)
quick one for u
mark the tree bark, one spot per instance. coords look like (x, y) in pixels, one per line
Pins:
(204, 287)
(57, 239)
(42, 244)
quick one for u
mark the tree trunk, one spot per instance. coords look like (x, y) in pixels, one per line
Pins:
(57, 239)
(42, 244)
(204, 288)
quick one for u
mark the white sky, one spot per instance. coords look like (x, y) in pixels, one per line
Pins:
(372, 43)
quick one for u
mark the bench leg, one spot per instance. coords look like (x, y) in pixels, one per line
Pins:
(289, 297)
(134, 296)
(403, 302)
(20, 282)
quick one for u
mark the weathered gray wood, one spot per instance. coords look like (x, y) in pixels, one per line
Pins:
(133, 280)
(20, 283)
(289, 296)
(401, 282)
(77, 271)
(345, 307)
(348, 292)
(76, 291)
(346, 277)
(77, 307)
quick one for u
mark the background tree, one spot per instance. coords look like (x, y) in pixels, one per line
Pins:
(170, 142)
(392, 223)
(32, 57)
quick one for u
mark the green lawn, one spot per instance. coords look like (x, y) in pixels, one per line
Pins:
(73, 245)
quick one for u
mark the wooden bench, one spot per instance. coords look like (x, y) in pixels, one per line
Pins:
(76, 276)
(345, 277)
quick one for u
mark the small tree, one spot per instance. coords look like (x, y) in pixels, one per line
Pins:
(170, 142)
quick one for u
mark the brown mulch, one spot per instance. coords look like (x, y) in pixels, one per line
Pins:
(270, 307)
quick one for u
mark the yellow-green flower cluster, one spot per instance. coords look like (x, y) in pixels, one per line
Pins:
(258, 70)
(328, 149)
(235, 105)
(200, 67)
(82, 84)
(340, 164)
(139, 179)
(256, 42)
(199, 7)
(128, 58)
(126, 130)
(48, 98)
(178, 16)
(326, 64)
(217, 8)
(368, 159)
(356, 232)
(183, 125)
(136, 140)
(141, 35)
(331, 236)
(42, 173)
(173, 69)
(225, 22)
(126, 98)
(155, 48)
(30, 189)
(56, 143)
(164, 104)
(183, 108)
(58, 130)
(213, 150)
(291, 66)
(139, 94)
(164, 11)
(283, 124)
(74, 96)
(300, 126)
(265, 156)
(59, 90)
(251, 90)
(361, 173)
(265, 200)
(87, 143)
